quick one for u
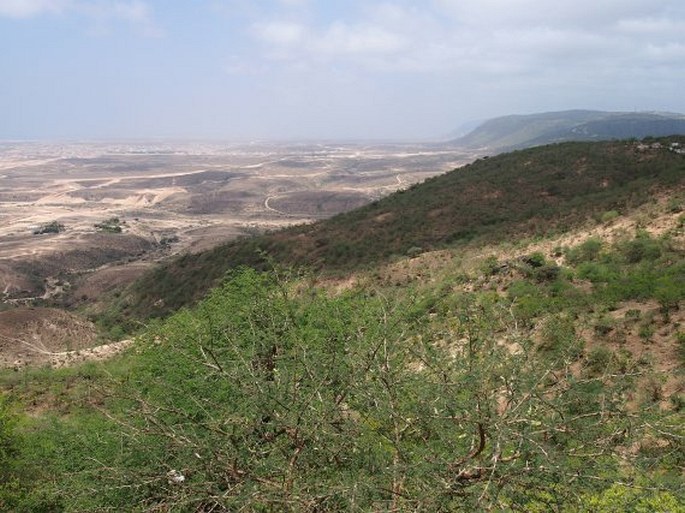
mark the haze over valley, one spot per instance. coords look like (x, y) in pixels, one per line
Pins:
(176, 197)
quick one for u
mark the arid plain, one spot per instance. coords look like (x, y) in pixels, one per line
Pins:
(116, 208)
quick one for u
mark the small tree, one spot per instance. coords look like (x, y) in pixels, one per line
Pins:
(51, 227)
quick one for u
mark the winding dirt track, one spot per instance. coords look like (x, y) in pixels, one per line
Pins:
(271, 209)
(59, 359)
(97, 353)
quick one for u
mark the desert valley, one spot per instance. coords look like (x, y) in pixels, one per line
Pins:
(74, 210)
(79, 220)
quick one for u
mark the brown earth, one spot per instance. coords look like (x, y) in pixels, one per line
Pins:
(654, 354)
(34, 336)
(169, 199)
(197, 195)
(95, 285)
(91, 354)
(28, 277)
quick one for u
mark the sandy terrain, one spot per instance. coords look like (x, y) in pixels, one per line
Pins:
(167, 198)
(48, 336)
(36, 335)
(172, 198)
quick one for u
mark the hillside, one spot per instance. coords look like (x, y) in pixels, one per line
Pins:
(523, 131)
(522, 194)
(513, 373)
(527, 356)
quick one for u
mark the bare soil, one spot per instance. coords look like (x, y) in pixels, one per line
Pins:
(168, 199)
(174, 198)
(92, 286)
(33, 336)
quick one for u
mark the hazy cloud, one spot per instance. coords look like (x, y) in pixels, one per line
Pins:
(280, 33)
(491, 36)
(337, 39)
(30, 8)
(341, 38)
(294, 3)
(101, 13)
(671, 53)
(381, 31)
(355, 68)
(135, 13)
(585, 14)
(494, 53)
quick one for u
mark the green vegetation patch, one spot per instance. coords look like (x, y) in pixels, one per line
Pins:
(111, 225)
(273, 396)
(51, 227)
(526, 193)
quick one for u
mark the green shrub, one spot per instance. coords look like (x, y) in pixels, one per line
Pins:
(597, 272)
(490, 266)
(9, 449)
(557, 333)
(632, 315)
(680, 339)
(609, 216)
(273, 398)
(642, 247)
(587, 251)
(621, 498)
(670, 291)
(675, 205)
(51, 227)
(604, 325)
(547, 273)
(598, 361)
(414, 251)
(111, 225)
(646, 330)
(535, 260)
(19, 469)
(529, 300)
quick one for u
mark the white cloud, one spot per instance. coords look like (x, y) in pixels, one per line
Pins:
(496, 48)
(587, 14)
(383, 32)
(132, 12)
(100, 12)
(279, 32)
(362, 39)
(376, 67)
(670, 53)
(30, 8)
(659, 27)
(297, 42)
(294, 3)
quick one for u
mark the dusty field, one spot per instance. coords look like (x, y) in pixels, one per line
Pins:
(33, 336)
(167, 199)
(172, 198)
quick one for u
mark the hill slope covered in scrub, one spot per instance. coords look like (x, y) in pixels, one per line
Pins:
(523, 131)
(536, 367)
(529, 192)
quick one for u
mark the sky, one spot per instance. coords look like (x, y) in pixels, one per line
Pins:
(334, 69)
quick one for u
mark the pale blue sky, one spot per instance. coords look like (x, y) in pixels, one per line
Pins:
(289, 69)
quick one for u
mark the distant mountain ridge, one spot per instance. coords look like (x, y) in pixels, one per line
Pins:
(525, 131)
